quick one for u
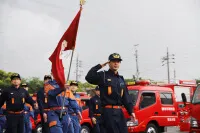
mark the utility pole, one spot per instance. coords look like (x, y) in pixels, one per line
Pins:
(166, 60)
(78, 66)
(168, 70)
(136, 59)
(174, 74)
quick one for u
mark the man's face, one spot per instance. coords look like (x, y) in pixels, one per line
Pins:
(114, 65)
(16, 81)
(47, 80)
(97, 92)
(73, 88)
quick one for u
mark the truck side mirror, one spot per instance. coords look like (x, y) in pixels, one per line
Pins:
(184, 99)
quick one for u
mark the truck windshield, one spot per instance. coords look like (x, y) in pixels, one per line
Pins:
(196, 97)
(134, 95)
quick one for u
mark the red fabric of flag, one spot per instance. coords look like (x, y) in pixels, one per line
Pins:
(67, 42)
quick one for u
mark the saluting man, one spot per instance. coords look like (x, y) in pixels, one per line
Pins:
(113, 94)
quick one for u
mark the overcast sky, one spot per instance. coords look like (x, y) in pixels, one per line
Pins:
(31, 29)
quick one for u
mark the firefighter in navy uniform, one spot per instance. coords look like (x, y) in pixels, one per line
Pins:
(74, 108)
(55, 100)
(15, 98)
(95, 112)
(42, 99)
(113, 94)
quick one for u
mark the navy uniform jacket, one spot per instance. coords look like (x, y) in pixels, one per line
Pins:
(78, 99)
(113, 90)
(15, 99)
(55, 96)
(94, 106)
(42, 100)
(73, 105)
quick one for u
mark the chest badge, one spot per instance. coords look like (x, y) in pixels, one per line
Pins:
(108, 79)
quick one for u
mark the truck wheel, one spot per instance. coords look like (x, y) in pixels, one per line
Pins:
(85, 129)
(38, 129)
(151, 128)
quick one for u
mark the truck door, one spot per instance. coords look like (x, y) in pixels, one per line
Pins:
(183, 111)
(168, 112)
(146, 108)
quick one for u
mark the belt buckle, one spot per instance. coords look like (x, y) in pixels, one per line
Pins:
(64, 113)
(117, 107)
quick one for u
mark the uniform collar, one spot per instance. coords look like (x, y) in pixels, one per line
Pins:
(13, 87)
(97, 96)
(111, 72)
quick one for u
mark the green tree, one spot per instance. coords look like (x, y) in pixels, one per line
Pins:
(198, 81)
(84, 86)
(34, 84)
(5, 79)
(129, 80)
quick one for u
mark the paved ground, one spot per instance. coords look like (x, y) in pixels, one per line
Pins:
(173, 130)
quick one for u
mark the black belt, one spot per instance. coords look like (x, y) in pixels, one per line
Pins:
(57, 108)
(46, 110)
(97, 114)
(63, 113)
(113, 106)
(16, 112)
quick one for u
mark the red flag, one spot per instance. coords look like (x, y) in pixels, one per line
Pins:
(67, 42)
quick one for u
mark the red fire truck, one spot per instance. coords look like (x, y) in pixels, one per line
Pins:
(187, 87)
(154, 106)
(195, 109)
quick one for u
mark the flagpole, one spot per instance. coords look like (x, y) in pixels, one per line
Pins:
(63, 101)
(70, 65)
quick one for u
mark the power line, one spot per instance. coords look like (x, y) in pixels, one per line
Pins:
(78, 70)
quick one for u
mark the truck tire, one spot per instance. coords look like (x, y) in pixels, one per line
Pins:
(151, 128)
(85, 129)
(38, 129)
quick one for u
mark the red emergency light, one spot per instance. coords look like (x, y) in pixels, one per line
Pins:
(143, 82)
(139, 82)
(187, 82)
